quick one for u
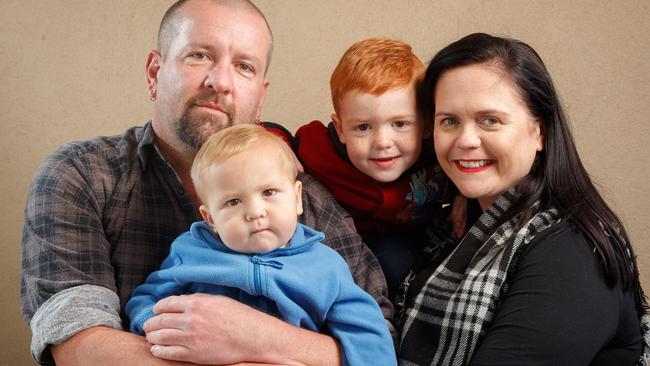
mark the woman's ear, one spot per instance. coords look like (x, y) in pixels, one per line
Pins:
(539, 134)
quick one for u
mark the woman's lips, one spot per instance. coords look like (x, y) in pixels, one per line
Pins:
(473, 166)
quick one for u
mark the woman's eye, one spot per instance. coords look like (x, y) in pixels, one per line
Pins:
(448, 122)
(490, 121)
(269, 192)
(233, 202)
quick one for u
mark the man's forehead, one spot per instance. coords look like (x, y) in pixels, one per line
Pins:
(243, 26)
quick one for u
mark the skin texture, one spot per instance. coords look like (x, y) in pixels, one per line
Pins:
(212, 76)
(484, 135)
(203, 77)
(382, 133)
(252, 200)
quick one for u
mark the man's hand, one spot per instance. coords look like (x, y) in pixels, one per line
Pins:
(212, 329)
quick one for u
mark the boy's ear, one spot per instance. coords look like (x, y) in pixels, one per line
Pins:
(206, 216)
(298, 189)
(338, 125)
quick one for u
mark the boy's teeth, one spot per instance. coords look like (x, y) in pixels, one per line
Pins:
(473, 163)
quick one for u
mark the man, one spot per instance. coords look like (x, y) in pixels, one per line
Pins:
(102, 213)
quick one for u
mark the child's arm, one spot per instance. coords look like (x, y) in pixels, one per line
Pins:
(356, 321)
(158, 285)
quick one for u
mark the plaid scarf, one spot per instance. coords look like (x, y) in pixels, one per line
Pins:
(460, 298)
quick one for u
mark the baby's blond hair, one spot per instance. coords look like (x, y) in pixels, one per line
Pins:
(233, 140)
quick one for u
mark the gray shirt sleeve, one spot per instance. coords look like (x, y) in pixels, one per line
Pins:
(69, 312)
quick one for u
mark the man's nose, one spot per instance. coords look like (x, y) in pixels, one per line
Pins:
(220, 78)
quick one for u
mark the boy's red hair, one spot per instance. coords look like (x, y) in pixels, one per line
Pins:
(374, 65)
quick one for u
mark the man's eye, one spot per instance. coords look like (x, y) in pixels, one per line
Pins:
(362, 127)
(233, 202)
(244, 67)
(269, 192)
(198, 56)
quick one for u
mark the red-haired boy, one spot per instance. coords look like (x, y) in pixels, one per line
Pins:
(371, 157)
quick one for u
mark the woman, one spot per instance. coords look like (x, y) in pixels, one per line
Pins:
(546, 275)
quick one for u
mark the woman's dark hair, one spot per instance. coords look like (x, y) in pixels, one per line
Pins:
(557, 178)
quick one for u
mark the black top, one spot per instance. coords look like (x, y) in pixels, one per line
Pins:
(559, 309)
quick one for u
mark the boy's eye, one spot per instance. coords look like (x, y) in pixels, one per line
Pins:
(362, 127)
(233, 202)
(269, 192)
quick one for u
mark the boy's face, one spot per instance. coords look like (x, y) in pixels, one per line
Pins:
(252, 201)
(382, 133)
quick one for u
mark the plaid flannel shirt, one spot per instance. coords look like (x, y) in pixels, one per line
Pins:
(101, 215)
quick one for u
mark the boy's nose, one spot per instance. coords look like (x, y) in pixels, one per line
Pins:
(381, 140)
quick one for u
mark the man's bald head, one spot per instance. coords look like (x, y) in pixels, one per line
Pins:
(169, 25)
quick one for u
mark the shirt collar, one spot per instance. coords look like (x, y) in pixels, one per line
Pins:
(147, 145)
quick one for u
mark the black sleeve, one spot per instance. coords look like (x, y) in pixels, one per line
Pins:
(558, 311)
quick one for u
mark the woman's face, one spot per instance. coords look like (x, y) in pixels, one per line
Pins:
(484, 135)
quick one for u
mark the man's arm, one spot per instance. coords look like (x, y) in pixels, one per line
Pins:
(202, 326)
(105, 346)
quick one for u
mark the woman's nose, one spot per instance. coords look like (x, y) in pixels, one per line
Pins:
(469, 138)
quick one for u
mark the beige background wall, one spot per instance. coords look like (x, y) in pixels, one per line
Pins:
(71, 69)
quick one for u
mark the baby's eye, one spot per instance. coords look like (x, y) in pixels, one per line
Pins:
(270, 192)
(233, 202)
(362, 127)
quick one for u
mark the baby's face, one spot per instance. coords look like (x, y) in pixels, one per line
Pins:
(382, 133)
(252, 200)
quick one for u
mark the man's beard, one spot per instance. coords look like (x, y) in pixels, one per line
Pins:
(191, 129)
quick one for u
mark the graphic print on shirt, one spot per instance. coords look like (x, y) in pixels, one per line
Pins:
(426, 188)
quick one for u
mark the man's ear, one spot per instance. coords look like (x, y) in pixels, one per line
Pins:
(298, 188)
(338, 125)
(154, 61)
(265, 87)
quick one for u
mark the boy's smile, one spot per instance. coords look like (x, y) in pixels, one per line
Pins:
(382, 133)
